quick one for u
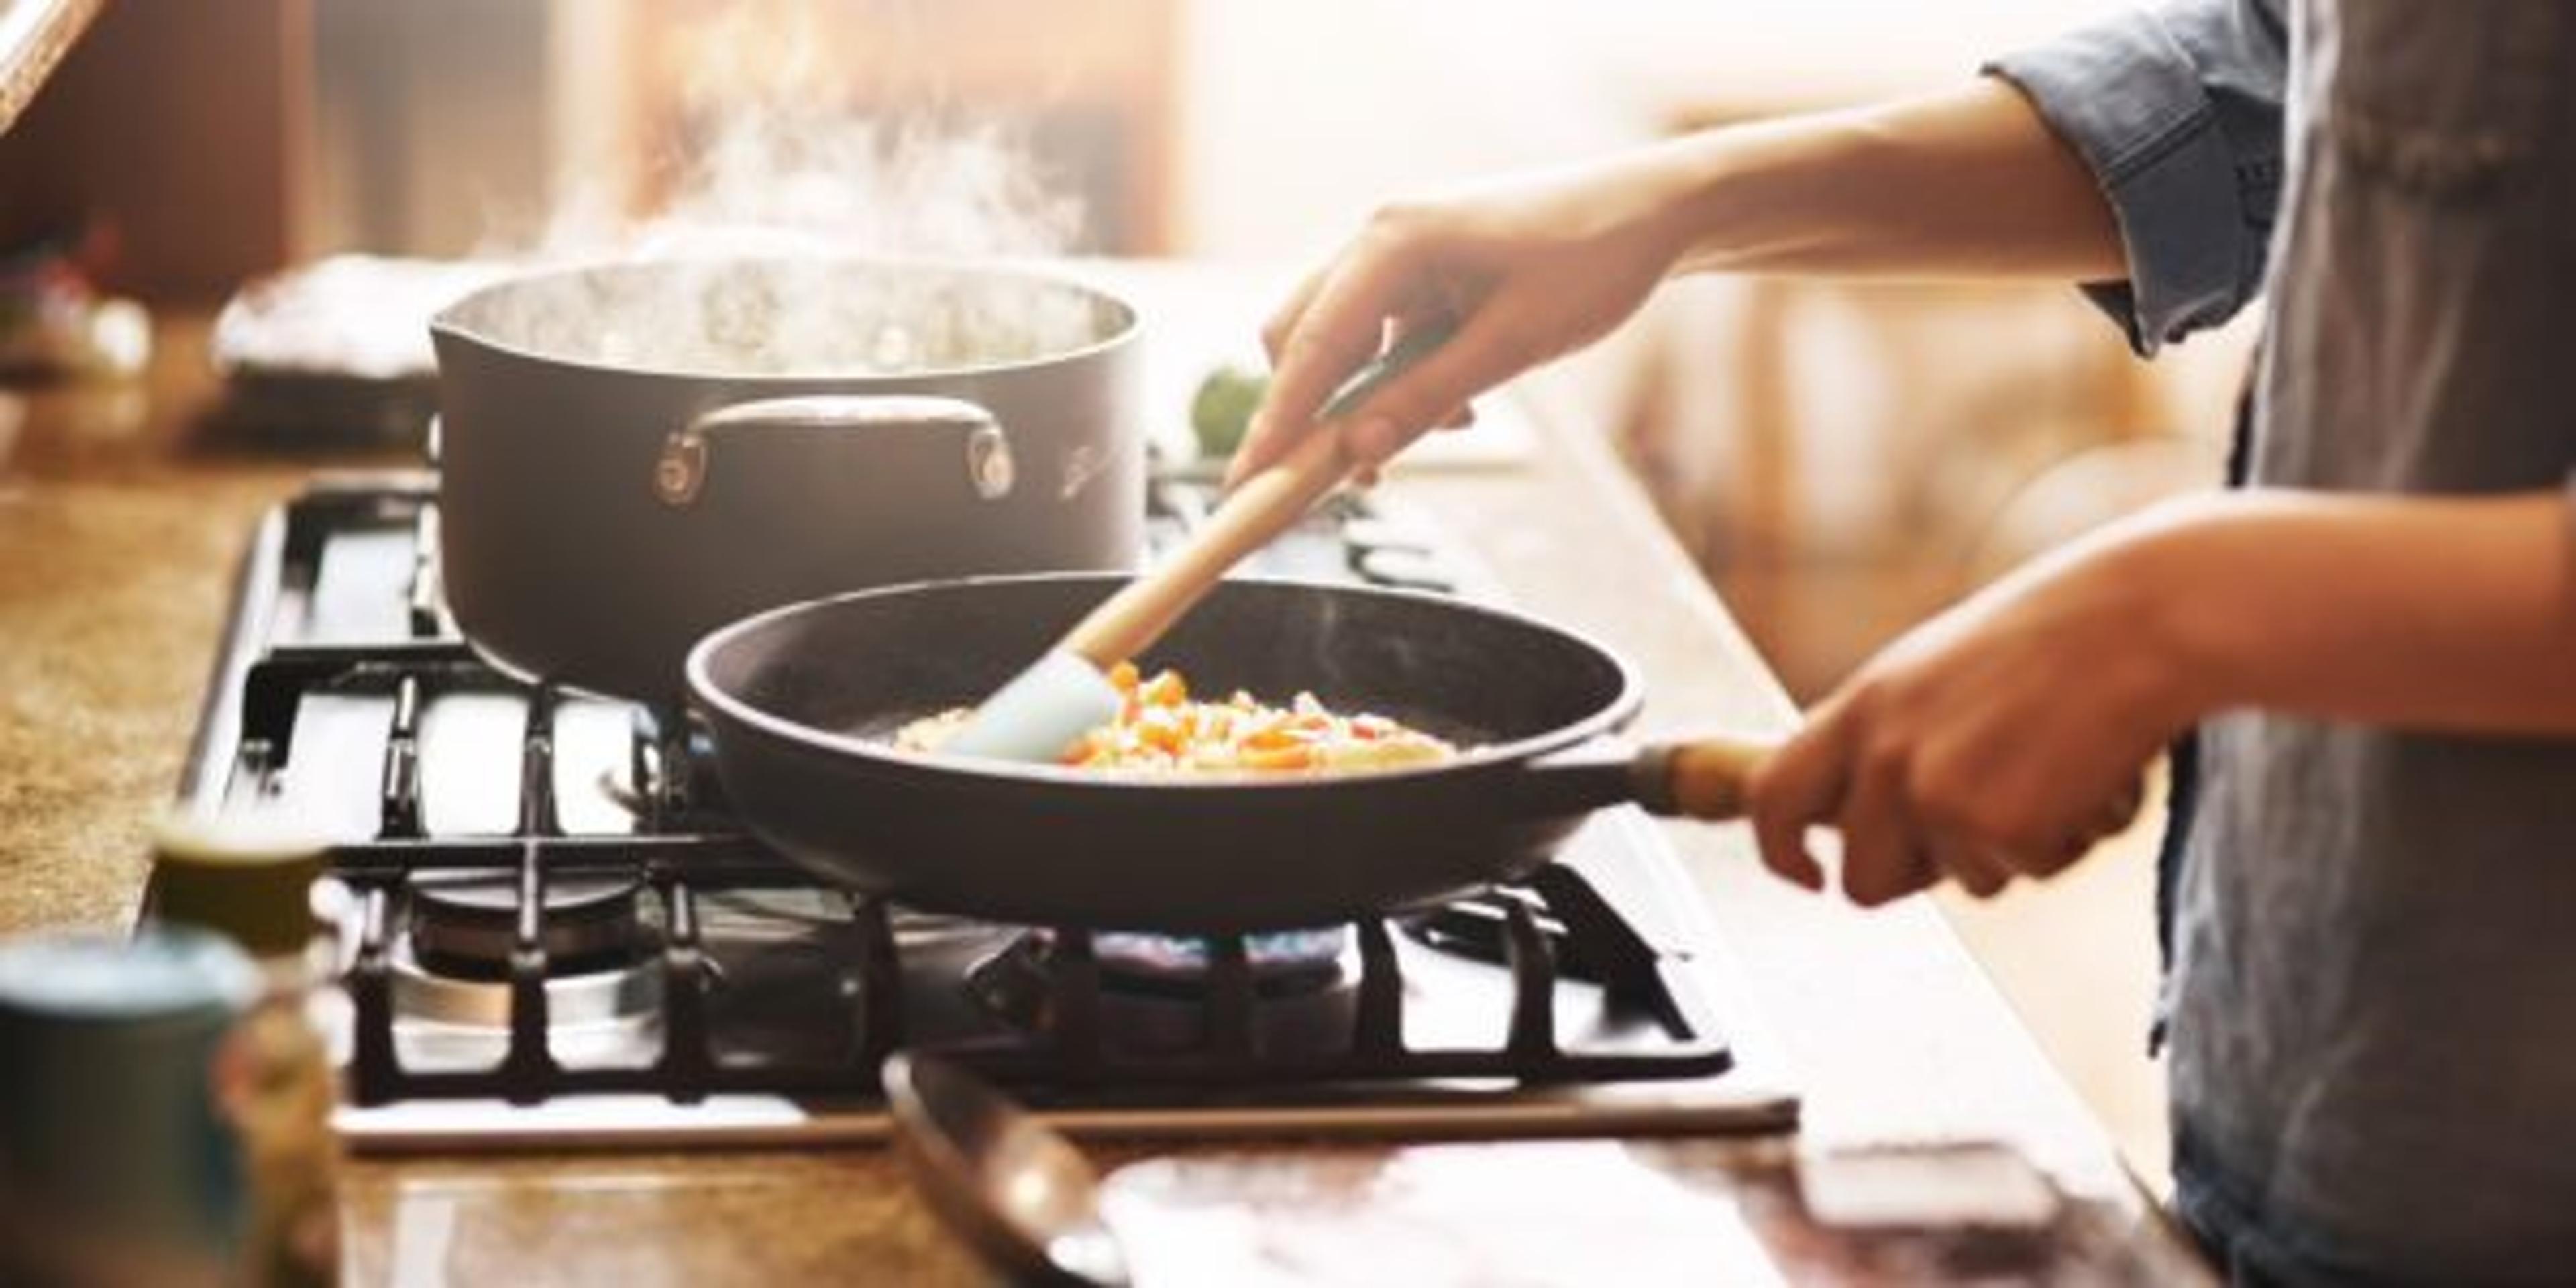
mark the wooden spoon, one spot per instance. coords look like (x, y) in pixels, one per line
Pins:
(1067, 693)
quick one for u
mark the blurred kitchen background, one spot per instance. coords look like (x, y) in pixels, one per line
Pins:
(1843, 460)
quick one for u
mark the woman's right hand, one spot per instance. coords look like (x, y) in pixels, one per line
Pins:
(1529, 270)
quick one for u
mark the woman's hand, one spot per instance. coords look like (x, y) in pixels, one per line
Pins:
(1529, 271)
(2005, 737)
(2001, 739)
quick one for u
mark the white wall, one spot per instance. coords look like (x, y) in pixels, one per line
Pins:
(1298, 115)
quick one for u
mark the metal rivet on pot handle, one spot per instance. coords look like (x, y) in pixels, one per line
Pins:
(989, 463)
(681, 470)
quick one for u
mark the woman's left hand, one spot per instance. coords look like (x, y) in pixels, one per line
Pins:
(2001, 739)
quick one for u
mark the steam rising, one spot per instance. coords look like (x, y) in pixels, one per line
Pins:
(780, 187)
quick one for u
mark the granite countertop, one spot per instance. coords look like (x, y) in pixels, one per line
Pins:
(120, 522)
(119, 529)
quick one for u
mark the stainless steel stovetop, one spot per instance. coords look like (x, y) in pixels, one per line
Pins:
(684, 985)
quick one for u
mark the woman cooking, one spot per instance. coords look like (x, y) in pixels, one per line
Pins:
(2372, 1002)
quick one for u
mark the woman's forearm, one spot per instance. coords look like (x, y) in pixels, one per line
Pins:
(2449, 614)
(1965, 183)
(1968, 183)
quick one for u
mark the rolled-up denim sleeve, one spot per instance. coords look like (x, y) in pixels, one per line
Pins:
(2177, 111)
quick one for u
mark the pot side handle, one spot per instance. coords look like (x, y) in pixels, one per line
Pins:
(1706, 778)
(680, 470)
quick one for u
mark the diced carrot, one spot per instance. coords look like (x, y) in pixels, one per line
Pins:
(1271, 734)
(1166, 689)
(1160, 729)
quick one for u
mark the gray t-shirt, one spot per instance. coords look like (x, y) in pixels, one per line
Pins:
(2373, 994)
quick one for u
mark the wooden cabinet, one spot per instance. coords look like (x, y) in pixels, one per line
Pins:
(34, 36)
(1845, 458)
(169, 138)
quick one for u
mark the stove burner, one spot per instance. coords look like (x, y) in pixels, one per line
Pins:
(465, 924)
(576, 1004)
(1167, 993)
(1283, 961)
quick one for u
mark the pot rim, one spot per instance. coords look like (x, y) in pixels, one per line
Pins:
(448, 322)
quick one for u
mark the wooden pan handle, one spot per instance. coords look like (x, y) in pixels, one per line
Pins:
(1257, 511)
(1704, 778)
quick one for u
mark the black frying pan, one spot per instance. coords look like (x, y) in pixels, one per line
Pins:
(802, 702)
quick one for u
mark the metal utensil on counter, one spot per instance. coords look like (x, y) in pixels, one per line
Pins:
(1067, 692)
(1018, 1192)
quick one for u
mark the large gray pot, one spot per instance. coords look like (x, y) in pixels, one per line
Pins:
(636, 454)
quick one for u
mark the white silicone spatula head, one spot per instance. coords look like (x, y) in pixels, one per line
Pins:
(1042, 711)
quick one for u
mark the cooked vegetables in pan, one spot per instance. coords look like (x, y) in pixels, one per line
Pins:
(1160, 729)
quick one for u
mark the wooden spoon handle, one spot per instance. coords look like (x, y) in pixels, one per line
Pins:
(1257, 511)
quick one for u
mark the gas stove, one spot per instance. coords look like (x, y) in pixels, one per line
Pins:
(551, 932)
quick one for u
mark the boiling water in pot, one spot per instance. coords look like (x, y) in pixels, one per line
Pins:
(791, 318)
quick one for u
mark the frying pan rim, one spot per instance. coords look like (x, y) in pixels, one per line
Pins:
(1131, 319)
(1605, 720)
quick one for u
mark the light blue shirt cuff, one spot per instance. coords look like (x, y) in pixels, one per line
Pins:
(2129, 99)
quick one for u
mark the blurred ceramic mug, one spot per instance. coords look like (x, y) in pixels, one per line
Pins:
(119, 1163)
